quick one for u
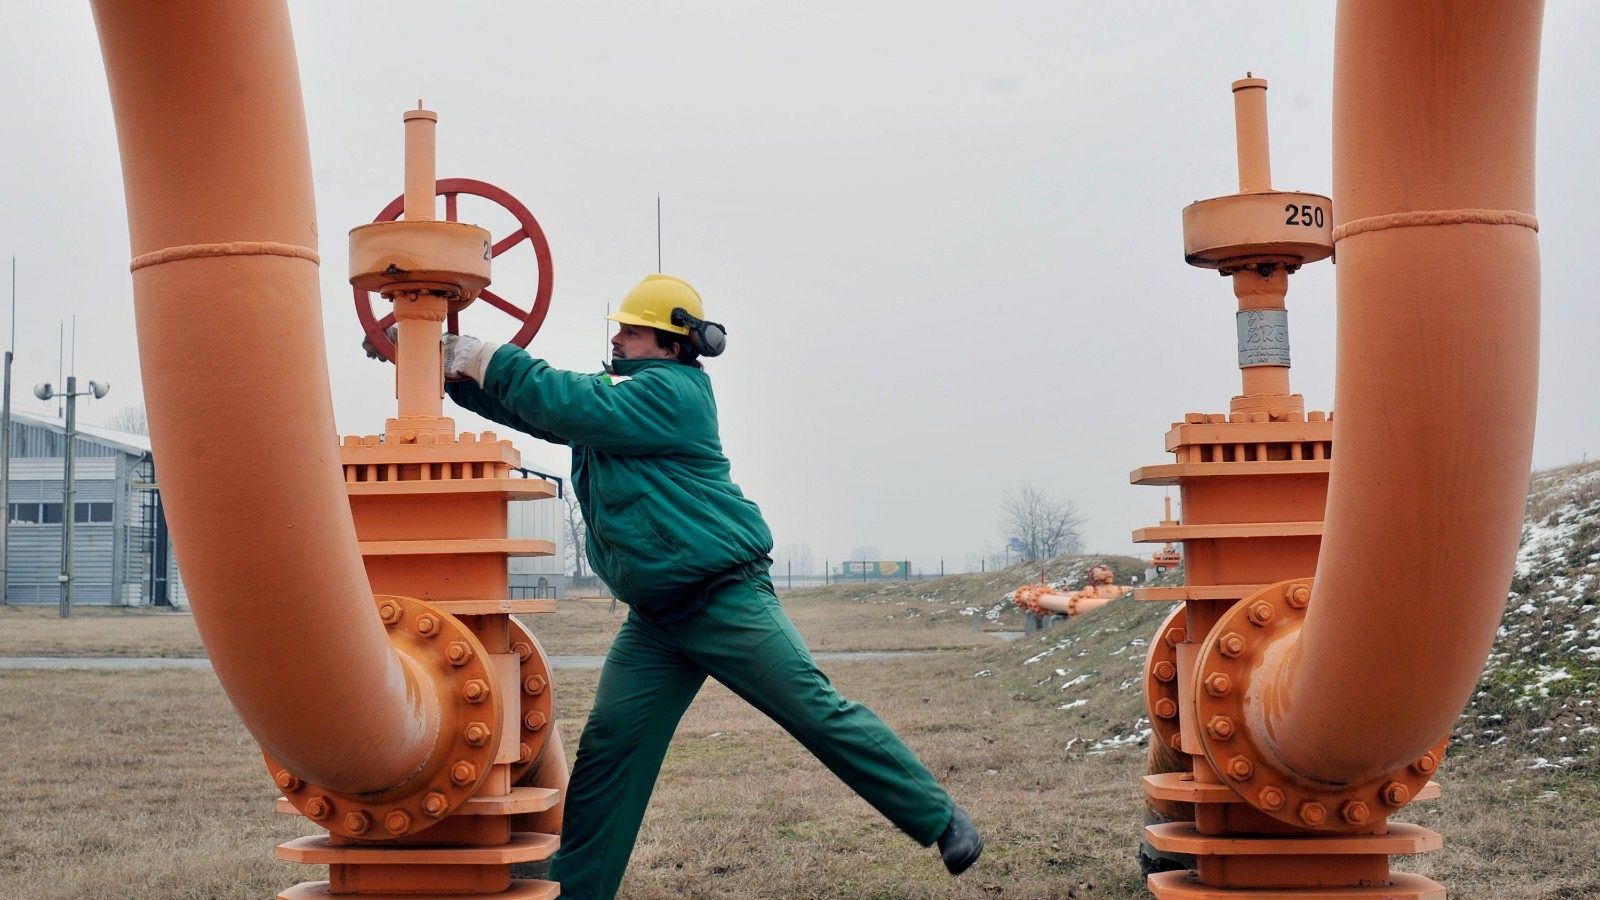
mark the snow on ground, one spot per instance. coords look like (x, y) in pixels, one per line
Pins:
(1540, 690)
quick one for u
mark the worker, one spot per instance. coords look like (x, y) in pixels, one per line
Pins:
(678, 542)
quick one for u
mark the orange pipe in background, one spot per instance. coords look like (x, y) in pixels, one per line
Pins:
(1438, 294)
(223, 232)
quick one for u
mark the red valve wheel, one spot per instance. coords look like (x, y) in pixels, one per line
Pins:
(527, 229)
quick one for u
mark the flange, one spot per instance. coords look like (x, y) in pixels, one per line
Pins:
(537, 691)
(1161, 680)
(1294, 226)
(470, 711)
(1230, 656)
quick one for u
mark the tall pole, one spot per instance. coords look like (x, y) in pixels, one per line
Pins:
(5, 448)
(68, 497)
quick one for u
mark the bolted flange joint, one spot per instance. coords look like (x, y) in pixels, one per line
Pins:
(448, 660)
(536, 699)
(1263, 626)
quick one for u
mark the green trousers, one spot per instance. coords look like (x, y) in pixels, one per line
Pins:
(743, 639)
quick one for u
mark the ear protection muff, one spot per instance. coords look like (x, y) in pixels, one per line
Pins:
(707, 338)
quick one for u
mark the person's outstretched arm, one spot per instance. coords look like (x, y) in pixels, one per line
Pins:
(636, 416)
(469, 396)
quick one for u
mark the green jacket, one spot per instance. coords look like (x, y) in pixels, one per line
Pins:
(666, 522)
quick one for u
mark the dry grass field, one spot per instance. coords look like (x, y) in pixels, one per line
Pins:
(577, 628)
(144, 784)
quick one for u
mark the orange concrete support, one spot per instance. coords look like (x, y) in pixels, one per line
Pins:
(430, 511)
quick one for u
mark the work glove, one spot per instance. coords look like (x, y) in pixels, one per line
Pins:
(467, 357)
(464, 356)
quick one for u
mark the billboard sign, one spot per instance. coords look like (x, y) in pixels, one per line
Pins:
(874, 568)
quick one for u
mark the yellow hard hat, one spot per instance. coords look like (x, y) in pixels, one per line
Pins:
(651, 302)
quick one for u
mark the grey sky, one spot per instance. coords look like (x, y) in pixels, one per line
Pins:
(944, 237)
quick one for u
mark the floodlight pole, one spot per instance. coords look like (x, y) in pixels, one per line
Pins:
(5, 484)
(68, 492)
(68, 497)
(5, 451)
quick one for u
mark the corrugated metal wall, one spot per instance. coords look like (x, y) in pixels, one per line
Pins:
(110, 553)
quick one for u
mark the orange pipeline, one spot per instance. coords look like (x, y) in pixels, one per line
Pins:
(1438, 293)
(223, 233)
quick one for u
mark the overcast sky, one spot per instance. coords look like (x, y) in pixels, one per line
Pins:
(945, 238)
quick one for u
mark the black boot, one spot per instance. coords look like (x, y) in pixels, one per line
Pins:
(961, 844)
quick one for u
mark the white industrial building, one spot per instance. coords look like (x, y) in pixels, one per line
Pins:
(122, 551)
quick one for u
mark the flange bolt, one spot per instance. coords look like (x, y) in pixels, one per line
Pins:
(398, 822)
(1297, 596)
(1270, 798)
(427, 626)
(1231, 644)
(287, 781)
(534, 720)
(477, 734)
(357, 822)
(1396, 794)
(463, 773)
(1176, 741)
(459, 653)
(475, 691)
(534, 685)
(1220, 727)
(523, 650)
(1165, 708)
(1174, 636)
(1218, 684)
(389, 611)
(1260, 613)
(435, 803)
(1240, 768)
(524, 753)
(1355, 812)
(1425, 764)
(1164, 671)
(318, 808)
(1312, 812)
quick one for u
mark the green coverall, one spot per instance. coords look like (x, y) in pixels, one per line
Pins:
(678, 542)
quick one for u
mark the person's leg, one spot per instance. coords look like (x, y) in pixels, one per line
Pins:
(645, 686)
(744, 639)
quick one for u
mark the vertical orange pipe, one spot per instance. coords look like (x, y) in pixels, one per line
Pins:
(1262, 290)
(1437, 371)
(419, 317)
(223, 231)
(1250, 134)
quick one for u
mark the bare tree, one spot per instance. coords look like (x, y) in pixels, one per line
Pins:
(577, 535)
(1036, 525)
(797, 555)
(866, 552)
(130, 420)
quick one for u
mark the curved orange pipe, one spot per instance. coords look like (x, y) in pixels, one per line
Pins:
(223, 231)
(1438, 291)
